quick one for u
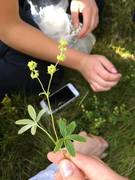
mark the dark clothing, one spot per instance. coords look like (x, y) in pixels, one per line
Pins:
(14, 73)
(134, 16)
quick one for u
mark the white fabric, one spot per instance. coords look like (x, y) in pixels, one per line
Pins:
(56, 23)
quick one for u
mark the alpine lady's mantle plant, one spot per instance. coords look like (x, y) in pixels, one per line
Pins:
(66, 130)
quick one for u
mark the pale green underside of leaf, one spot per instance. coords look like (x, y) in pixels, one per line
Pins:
(40, 114)
(24, 128)
(24, 121)
(33, 130)
(32, 112)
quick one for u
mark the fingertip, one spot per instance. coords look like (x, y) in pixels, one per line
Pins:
(81, 34)
(50, 156)
(66, 168)
(83, 133)
(58, 176)
(113, 70)
(69, 171)
(55, 157)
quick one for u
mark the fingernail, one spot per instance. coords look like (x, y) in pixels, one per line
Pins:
(66, 168)
(113, 70)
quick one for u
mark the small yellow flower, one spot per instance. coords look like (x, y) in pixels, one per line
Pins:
(63, 42)
(62, 49)
(34, 74)
(32, 65)
(61, 57)
(51, 69)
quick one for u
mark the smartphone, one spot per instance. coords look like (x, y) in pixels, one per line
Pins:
(60, 98)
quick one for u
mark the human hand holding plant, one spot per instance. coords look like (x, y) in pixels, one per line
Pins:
(66, 130)
(82, 167)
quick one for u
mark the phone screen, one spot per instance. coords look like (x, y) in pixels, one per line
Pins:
(61, 97)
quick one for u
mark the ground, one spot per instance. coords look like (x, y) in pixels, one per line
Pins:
(110, 114)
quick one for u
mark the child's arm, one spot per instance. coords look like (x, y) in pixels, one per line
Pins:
(97, 70)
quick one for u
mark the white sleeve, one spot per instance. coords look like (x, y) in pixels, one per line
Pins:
(46, 174)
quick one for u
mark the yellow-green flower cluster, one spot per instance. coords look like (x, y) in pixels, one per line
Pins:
(51, 69)
(32, 66)
(62, 47)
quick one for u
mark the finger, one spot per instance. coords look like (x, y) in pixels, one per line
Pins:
(58, 176)
(107, 71)
(96, 22)
(75, 19)
(55, 157)
(69, 171)
(98, 88)
(75, 13)
(94, 19)
(103, 155)
(90, 163)
(92, 87)
(101, 146)
(104, 83)
(83, 133)
(104, 142)
(86, 23)
(108, 65)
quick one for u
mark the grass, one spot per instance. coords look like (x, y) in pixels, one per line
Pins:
(110, 114)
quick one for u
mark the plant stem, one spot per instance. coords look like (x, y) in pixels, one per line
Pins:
(49, 105)
(48, 101)
(49, 84)
(47, 134)
(42, 86)
(52, 118)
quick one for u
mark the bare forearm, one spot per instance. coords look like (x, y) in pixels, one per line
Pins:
(31, 41)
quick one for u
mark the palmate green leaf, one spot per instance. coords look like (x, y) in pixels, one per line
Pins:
(33, 130)
(62, 127)
(70, 147)
(32, 112)
(71, 127)
(76, 137)
(59, 145)
(24, 121)
(24, 128)
(40, 114)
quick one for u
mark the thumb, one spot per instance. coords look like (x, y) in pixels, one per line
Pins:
(69, 171)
